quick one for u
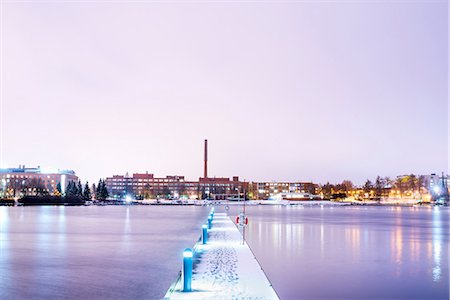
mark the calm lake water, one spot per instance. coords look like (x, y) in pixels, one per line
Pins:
(95, 252)
(352, 252)
(118, 252)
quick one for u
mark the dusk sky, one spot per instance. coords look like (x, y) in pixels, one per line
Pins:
(320, 91)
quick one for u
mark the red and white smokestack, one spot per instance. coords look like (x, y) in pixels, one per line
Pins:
(205, 167)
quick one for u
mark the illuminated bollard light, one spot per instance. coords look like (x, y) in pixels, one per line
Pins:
(187, 269)
(204, 234)
(209, 222)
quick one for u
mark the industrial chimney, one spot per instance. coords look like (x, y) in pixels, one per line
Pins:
(205, 167)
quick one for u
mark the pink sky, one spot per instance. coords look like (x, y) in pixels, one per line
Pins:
(303, 90)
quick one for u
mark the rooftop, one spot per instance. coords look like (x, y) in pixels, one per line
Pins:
(37, 170)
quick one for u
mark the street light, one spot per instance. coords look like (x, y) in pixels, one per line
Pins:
(187, 269)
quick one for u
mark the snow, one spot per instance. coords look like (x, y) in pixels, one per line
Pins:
(225, 268)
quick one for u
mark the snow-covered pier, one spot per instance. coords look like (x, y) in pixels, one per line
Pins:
(224, 268)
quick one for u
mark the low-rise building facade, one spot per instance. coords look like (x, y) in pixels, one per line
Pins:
(146, 185)
(21, 181)
(266, 190)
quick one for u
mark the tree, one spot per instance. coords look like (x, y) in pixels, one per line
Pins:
(327, 190)
(403, 183)
(79, 189)
(388, 183)
(68, 189)
(166, 191)
(421, 181)
(87, 192)
(101, 193)
(412, 183)
(98, 191)
(71, 189)
(104, 191)
(94, 190)
(379, 187)
(37, 187)
(58, 191)
(348, 186)
(368, 187)
(146, 191)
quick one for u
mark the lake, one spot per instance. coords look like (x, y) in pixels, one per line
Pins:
(134, 252)
(94, 252)
(352, 252)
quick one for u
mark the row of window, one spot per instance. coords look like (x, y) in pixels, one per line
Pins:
(142, 180)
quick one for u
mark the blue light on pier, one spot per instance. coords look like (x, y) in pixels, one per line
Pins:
(187, 269)
(204, 234)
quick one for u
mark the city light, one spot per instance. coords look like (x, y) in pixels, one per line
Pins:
(436, 189)
(128, 199)
(188, 253)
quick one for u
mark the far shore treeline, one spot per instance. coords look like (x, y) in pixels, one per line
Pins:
(34, 192)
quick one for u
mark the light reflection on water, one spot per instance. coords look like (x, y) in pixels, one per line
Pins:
(113, 252)
(4, 243)
(353, 252)
(437, 244)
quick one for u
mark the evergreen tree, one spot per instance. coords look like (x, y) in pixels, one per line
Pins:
(104, 191)
(69, 189)
(79, 189)
(58, 191)
(74, 189)
(98, 194)
(87, 192)
(93, 190)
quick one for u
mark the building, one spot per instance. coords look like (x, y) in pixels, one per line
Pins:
(222, 188)
(302, 190)
(219, 188)
(21, 181)
(146, 185)
(438, 187)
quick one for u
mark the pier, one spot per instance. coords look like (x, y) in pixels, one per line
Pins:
(224, 267)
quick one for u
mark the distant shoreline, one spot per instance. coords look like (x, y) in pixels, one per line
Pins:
(312, 203)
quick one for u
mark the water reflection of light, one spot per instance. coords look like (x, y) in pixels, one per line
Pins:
(289, 237)
(321, 239)
(21, 218)
(62, 214)
(276, 234)
(4, 228)
(127, 220)
(126, 236)
(414, 244)
(44, 226)
(62, 228)
(437, 244)
(4, 243)
(353, 238)
(397, 245)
